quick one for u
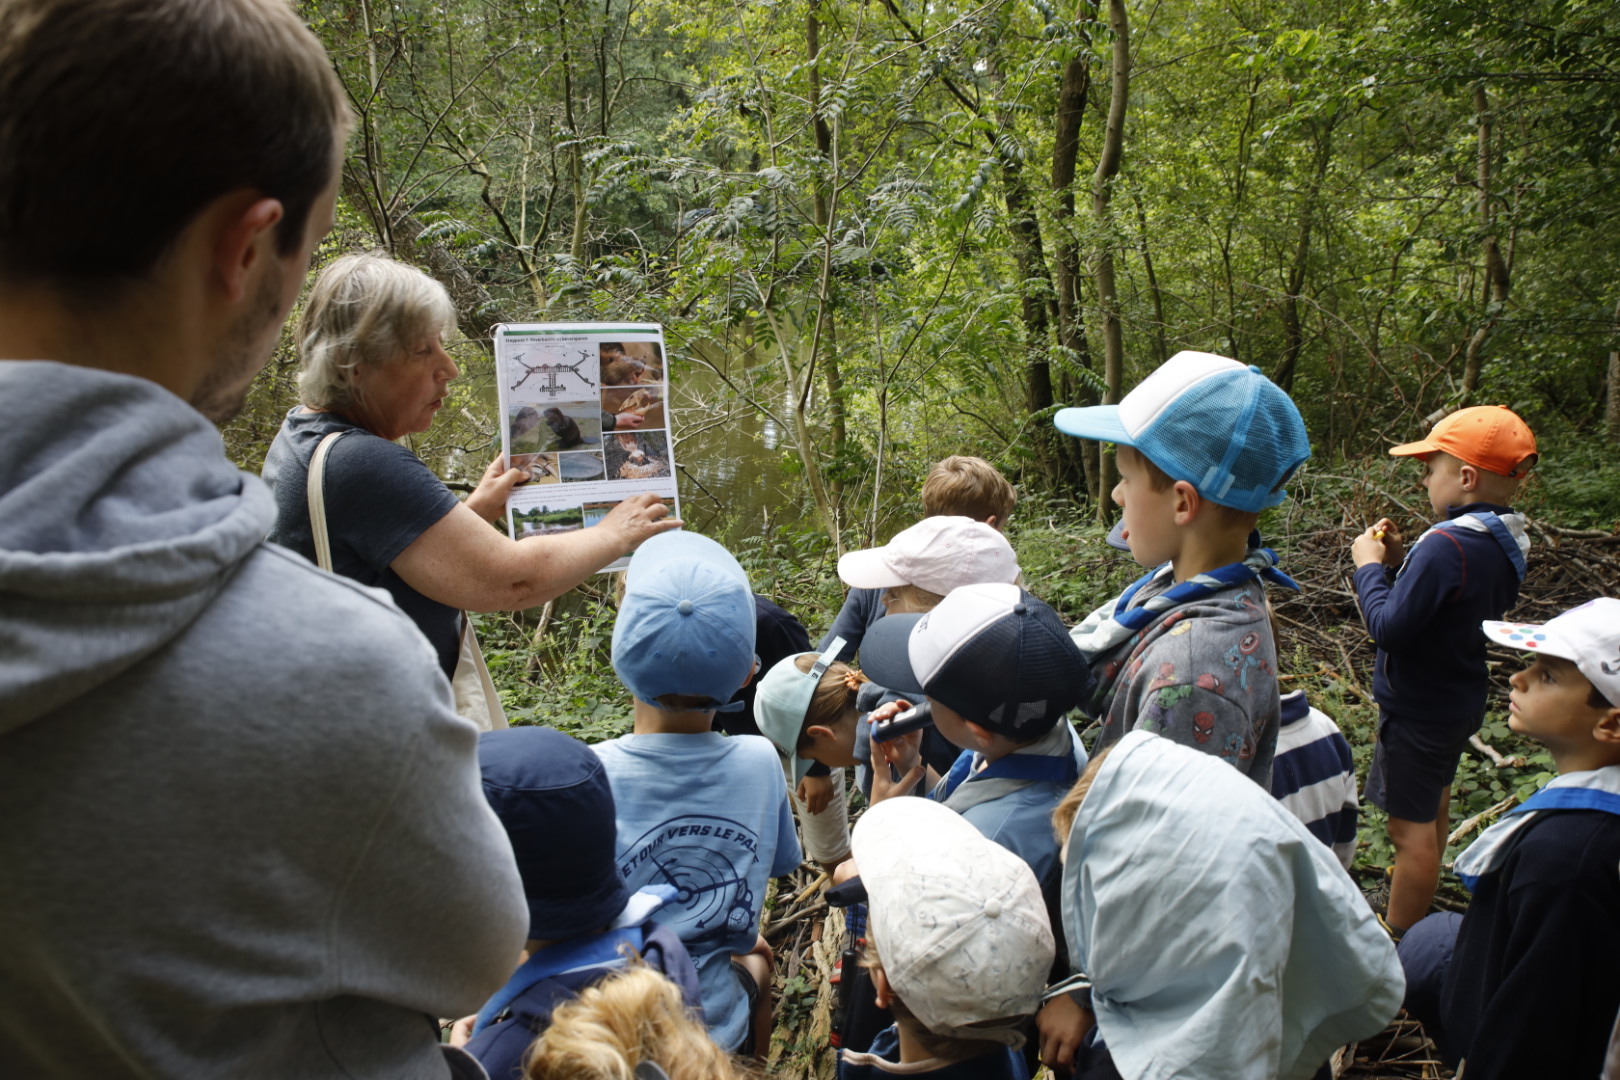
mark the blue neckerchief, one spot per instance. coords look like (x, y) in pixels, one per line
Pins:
(1036, 767)
(1551, 798)
(595, 950)
(1261, 562)
(1112, 624)
(1569, 798)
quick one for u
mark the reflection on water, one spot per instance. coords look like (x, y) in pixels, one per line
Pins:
(731, 458)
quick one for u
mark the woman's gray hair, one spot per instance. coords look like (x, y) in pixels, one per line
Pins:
(364, 309)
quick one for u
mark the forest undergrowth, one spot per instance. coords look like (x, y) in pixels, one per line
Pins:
(553, 668)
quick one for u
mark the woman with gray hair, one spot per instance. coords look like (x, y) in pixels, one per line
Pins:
(375, 369)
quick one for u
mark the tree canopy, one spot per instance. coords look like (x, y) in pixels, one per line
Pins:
(897, 227)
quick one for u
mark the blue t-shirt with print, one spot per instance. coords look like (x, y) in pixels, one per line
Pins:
(708, 814)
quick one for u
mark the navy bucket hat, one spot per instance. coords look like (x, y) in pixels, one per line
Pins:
(553, 798)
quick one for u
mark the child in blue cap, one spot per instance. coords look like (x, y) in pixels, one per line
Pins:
(1205, 444)
(699, 811)
(551, 795)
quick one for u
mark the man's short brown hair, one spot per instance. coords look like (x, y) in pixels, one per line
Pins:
(968, 487)
(120, 120)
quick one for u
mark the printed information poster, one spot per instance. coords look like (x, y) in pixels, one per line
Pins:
(583, 412)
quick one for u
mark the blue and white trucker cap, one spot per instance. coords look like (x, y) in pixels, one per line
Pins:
(686, 625)
(1222, 427)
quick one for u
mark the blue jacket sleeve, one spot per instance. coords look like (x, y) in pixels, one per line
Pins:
(861, 608)
(1397, 613)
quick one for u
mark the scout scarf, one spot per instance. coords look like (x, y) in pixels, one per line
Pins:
(1116, 621)
(1507, 529)
(1055, 758)
(1593, 789)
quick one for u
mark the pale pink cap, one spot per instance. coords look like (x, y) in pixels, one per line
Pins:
(937, 554)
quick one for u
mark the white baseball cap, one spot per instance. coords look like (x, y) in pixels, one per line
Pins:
(1588, 636)
(937, 554)
(957, 920)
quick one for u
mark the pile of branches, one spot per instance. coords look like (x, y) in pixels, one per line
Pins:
(1566, 567)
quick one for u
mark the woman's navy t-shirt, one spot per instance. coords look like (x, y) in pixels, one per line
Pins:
(379, 498)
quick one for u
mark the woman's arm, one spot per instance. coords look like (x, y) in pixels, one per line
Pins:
(462, 562)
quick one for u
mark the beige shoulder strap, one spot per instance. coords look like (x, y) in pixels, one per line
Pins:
(315, 486)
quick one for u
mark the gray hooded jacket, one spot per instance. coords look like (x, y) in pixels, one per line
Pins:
(242, 829)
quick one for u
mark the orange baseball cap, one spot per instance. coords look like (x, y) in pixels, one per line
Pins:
(1489, 437)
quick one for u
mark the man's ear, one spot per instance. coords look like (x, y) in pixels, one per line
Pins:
(881, 990)
(246, 237)
(993, 522)
(1468, 476)
(819, 733)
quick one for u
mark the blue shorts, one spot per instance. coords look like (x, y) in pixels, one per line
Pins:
(1413, 763)
(1425, 953)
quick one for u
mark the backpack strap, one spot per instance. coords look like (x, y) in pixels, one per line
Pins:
(315, 488)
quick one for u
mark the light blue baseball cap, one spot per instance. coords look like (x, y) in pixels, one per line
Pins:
(783, 701)
(686, 624)
(1221, 426)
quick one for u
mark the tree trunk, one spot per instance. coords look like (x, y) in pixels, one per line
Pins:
(1071, 328)
(1154, 291)
(1497, 278)
(1293, 332)
(1611, 405)
(1102, 190)
(837, 423)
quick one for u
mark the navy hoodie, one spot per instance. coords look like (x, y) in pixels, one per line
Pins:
(1533, 985)
(1426, 621)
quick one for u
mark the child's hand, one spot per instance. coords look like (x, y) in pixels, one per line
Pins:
(1063, 1025)
(1394, 542)
(897, 765)
(1373, 546)
(815, 792)
(461, 1031)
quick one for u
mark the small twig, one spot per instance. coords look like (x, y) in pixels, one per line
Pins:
(1473, 823)
(1496, 758)
(797, 916)
(540, 630)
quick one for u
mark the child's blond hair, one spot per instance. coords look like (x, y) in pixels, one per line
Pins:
(968, 487)
(910, 600)
(833, 696)
(1069, 806)
(633, 1016)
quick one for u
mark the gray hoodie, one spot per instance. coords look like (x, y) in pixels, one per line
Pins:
(242, 829)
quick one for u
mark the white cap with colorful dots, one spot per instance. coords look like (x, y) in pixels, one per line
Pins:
(1588, 636)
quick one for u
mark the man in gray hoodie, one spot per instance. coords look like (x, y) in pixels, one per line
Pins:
(241, 827)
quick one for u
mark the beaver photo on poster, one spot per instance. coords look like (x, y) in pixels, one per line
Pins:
(584, 413)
